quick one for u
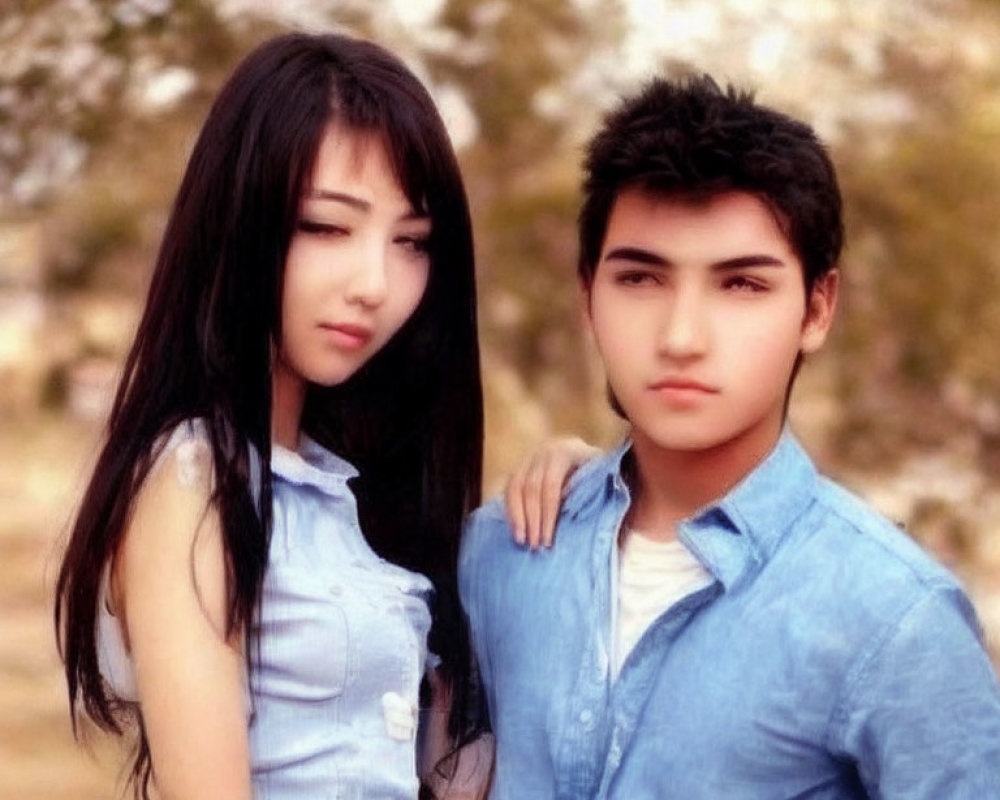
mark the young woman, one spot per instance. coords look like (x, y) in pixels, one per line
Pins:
(305, 369)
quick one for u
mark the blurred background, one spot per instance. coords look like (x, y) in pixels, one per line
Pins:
(100, 102)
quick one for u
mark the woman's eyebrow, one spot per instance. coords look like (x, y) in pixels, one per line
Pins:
(358, 203)
(340, 197)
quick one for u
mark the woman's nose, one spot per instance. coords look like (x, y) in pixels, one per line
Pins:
(368, 284)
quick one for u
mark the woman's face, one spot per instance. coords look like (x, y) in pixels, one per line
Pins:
(357, 265)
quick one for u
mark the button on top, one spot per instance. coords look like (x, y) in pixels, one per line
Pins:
(586, 716)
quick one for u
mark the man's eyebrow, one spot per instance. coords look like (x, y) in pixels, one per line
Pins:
(638, 255)
(358, 203)
(755, 260)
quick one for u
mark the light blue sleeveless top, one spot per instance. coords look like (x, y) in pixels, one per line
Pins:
(333, 703)
(343, 646)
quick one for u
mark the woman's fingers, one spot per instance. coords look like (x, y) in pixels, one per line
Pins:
(534, 492)
(514, 503)
(557, 471)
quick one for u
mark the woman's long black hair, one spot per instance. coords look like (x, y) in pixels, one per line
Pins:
(410, 420)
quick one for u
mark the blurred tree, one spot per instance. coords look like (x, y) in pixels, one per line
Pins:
(77, 74)
(518, 66)
(99, 101)
(919, 359)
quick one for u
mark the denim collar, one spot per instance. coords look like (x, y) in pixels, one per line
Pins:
(734, 535)
(773, 495)
(312, 465)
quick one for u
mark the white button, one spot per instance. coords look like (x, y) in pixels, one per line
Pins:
(586, 716)
(400, 717)
(335, 590)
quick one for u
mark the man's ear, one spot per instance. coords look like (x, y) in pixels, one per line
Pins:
(820, 308)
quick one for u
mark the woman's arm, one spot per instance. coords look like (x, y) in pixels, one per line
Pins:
(169, 590)
(534, 492)
(464, 774)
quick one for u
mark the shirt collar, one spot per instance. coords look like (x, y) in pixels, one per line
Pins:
(773, 495)
(312, 465)
(595, 481)
(742, 528)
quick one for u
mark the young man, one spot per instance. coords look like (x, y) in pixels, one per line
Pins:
(716, 620)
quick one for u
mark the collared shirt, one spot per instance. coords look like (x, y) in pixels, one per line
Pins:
(342, 642)
(342, 646)
(829, 657)
(652, 576)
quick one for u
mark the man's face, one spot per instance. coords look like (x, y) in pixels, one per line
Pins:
(699, 312)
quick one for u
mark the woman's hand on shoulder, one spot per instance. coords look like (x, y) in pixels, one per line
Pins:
(169, 589)
(534, 492)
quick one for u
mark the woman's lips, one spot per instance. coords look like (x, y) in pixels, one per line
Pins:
(347, 335)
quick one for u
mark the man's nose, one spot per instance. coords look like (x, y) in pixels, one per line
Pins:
(685, 329)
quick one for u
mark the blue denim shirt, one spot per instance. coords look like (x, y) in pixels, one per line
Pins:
(829, 658)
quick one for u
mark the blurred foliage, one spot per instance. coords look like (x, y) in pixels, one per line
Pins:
(522, 178)
(913, 116)
(919, 348)
(77, 75)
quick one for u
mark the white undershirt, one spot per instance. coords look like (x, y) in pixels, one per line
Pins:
(652, 576)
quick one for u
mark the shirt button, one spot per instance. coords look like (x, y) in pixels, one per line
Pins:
(335, 590)
(586, 716)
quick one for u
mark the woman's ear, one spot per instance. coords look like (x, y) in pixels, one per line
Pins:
(820, 308)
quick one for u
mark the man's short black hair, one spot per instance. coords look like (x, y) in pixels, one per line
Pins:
(690, 138)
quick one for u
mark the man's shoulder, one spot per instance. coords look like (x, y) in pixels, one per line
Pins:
(488, 530)
(873, 540)
(487, 521)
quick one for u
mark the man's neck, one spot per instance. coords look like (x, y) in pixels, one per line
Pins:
(671, 485)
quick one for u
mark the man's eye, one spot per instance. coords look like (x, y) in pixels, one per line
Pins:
(741, 283)
(635, 278)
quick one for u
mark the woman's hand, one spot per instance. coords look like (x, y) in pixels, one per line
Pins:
(534, 492)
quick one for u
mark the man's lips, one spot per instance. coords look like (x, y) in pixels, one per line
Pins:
(348, 335)
(682, 385)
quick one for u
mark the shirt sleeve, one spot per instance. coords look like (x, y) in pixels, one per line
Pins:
(921, 713)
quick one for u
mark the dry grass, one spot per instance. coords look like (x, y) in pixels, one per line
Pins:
(41, 471)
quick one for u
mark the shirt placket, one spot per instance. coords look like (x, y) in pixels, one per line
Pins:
(580, 754)
(630, 692)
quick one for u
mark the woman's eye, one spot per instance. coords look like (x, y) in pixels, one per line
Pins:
(415, 244)
(315, 228)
